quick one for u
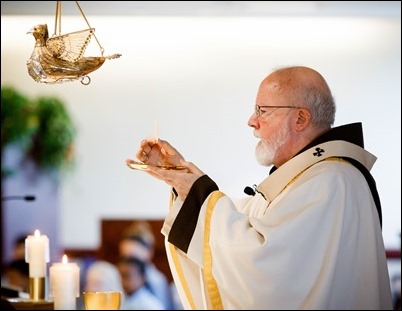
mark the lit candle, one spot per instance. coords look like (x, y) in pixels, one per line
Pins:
(64, 284)
(37, 255)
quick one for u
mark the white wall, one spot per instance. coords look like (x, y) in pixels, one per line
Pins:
(198, 78)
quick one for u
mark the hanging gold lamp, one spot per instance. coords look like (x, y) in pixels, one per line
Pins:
(60, 58)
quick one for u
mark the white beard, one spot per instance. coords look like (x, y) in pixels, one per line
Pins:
(266, 150)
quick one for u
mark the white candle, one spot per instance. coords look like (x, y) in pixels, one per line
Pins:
(64, 284)
(37, 254)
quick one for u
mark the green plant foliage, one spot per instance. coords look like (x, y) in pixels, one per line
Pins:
(43, 125)
(18, 120)
(54, 137)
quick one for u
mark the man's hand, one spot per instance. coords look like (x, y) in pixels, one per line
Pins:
(180, 180)
(158, 152)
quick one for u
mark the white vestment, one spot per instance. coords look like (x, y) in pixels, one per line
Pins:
(315, 244)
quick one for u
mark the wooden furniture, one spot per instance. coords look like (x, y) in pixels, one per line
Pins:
(27, 304)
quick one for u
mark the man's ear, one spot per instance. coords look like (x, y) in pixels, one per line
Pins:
(303, 119)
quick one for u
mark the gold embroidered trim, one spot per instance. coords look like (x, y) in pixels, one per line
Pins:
(178, 267)
(274, 183)
(211, 286)
(297, 176)
(180, 273)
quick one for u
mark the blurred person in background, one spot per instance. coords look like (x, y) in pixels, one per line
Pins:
(137, 295)
(16, 272)
(19, 247)
(102, 276)
(16, 275)
(138, 241)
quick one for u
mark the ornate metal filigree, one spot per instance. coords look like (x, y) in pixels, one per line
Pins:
(60, 58)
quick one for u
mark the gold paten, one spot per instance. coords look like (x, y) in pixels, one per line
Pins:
(143, 166)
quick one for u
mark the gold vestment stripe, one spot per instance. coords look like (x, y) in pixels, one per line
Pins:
(178, 267)
(211, 286)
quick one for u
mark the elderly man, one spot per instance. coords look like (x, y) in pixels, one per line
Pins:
(310, 235)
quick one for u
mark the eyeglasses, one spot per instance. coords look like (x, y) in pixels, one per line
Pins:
(258, 111)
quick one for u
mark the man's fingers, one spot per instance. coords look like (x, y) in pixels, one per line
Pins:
(166, 148)
(191, 167)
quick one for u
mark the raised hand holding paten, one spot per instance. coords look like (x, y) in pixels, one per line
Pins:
(158, 152)
(163, 161)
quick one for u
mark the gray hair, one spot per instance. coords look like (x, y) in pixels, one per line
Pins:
(321, 104)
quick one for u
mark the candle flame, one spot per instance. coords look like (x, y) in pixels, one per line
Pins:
(156, 131)
(37, 233)
(65, 259)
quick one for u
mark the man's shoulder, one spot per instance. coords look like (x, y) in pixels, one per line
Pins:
(334, 170)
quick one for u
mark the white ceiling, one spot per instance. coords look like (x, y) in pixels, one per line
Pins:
(214, 8)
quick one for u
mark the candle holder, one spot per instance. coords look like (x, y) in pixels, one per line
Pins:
(37, 288)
